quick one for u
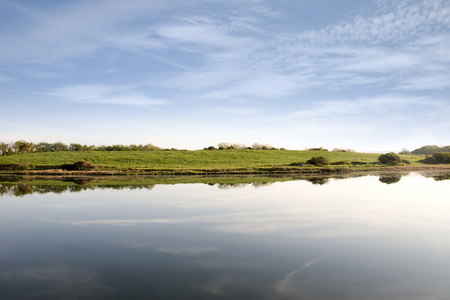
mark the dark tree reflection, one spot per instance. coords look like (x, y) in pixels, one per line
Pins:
(390, 179)
(20, 190)
(319, 180)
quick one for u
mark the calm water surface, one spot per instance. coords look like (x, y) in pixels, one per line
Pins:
(356, 238)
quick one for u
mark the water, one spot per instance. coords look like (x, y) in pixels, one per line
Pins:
(369, 237)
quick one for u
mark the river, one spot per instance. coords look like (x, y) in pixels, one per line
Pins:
(362, 237)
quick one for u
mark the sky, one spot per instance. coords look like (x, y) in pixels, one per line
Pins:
(369, 75)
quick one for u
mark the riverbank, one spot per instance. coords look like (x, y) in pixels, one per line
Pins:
(212, 172)
(201, 162)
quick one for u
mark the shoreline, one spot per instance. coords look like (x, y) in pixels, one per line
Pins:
(221, 172)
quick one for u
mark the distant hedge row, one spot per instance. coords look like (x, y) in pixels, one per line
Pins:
(29, 147)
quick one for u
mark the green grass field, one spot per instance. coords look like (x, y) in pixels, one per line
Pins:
(200, 159)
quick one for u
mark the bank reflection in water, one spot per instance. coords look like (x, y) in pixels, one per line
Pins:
(19, 186)
(351, 238)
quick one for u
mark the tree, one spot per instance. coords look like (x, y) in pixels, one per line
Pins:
(405, 151)
(58, 146)
(23, 147)
(75, 147)
(4, 148)
(258, 146)
(42, 147)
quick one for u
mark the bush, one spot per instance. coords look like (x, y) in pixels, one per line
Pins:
(442, 157)
(258, 146)
(78, 166)
(228, 146)
(75, 147)
(389, 158)
(317, 149)
(341, 163)
(318, 161)
(429, 160)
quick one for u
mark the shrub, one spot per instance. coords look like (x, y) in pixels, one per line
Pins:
(42, 147)
(318, 161)
(78, 166)
(75, 147)
(429, 160)
(442, 157)
(317, 149)
(341, 163)
(223, 146)
(389, 158)
(259, 146)
(58, 146)
(228, 146)
(358, 163)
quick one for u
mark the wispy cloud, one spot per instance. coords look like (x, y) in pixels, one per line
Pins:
(126, 222)
(217, 286)
(4, 78)
(266, 86)
(425, 82)
(227, 47)
(204, 35)
(42, 74)
(234, 58)
(362, 52)
(232, 110)
(406, 19)
(57, 281)
(285, 286)
(372, 107)
(177, 249)
(66, 31)
(254, 222)
(102, 94)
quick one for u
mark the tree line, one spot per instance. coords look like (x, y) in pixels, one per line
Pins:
(239, 146)
(20, 190)
(21, 147)
(260, 146)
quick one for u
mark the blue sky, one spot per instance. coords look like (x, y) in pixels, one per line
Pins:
(366, 75)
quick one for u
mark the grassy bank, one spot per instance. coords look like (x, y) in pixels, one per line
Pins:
(198, 161)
